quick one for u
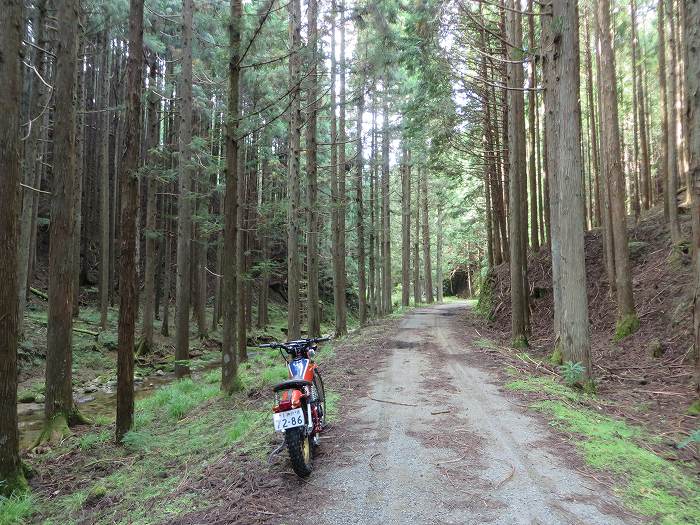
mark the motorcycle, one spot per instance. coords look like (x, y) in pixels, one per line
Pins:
(299, 409)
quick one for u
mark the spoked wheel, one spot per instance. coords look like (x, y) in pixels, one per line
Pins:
(299, 446)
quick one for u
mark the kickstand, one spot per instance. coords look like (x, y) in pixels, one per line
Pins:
(275, 452)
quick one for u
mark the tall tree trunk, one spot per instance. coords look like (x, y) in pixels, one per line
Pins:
(572, 330)
(294, 193)
(438, 253)
(11, 472)
(610, 136)
(429, 297)
(595, 161)
(104, 182)
(359, 205)
(517, 178)
(406, 228)
(80, 172)
(644, 165)
(532, 108)
(314, 326)
(151, 207)
(184, 202)
(338, 291)
(128, 273)
(59, 409)
(662, 170)
(417, 289)
(229, 358)
(386, 219)
(672, 146)
(32, 161)
(342, 170)
(372, 284)
(692, 48)
(242, 245)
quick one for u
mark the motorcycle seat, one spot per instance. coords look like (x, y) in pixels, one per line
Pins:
(295, 384)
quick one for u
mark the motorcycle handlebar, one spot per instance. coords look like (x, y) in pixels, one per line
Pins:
(288, 345)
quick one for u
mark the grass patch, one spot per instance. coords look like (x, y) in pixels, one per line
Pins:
(16, 509)
(546, 385)
(655, 486)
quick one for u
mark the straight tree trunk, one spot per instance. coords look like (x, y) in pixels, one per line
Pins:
(32, 162)
(573, 331)
(672, 146)
(314, 325)
(229, 357)
(372, 284)
(242, 242)
(184, 202)
(644, 164)
(692, 77)
(104, 182)
(610, 136)
(595, 162)
(517, 178)
(417, 289)
(386, 219)
(151, 207)
(128, 273)
(662, 171)
(294, 193)
(11, 472)
(342, 171)
(406, 229)
(80, 171)
(532, 161)
(429, 297)
(438, 253)
(59, 409)
(359, 205)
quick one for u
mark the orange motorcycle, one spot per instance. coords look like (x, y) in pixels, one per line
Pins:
(300, 402)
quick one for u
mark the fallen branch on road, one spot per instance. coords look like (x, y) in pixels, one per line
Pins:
(393, 402)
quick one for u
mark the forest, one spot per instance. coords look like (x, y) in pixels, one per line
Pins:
(508, 189)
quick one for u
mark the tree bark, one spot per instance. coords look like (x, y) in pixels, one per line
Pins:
(595, 161)
(672, 147)
(359, 205)
(342, 171)
(151, 207)
(517, 178)
(573, 330)
(386, 218)
(314, 324)
(406, 228)
(532, 161)
(417, 288)
(184, 203)
(438, 253)
(11, 473)
(692, 76)
(59, 409)
(229, 357)
(294, 193)
(32, 162)
(662, 170)
(429, 296)
(610, 137)
(104, 182)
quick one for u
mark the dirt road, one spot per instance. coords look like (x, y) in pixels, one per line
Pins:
(455, 450)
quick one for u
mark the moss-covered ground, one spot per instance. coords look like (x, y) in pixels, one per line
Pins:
(661, 488)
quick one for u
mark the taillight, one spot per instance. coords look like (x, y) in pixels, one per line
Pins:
(283, 406)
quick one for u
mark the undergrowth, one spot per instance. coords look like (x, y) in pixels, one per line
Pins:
(15, 509)
(652, 485)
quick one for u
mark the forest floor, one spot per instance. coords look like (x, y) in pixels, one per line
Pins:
(431, 422)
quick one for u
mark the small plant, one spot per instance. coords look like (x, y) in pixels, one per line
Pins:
(572, 372)
(692, 438)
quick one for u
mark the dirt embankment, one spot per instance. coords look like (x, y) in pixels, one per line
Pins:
(647, 376)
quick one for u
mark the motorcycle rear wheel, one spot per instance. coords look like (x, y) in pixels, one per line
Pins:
(299, 447)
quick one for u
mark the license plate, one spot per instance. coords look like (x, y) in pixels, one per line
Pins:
(289, 419)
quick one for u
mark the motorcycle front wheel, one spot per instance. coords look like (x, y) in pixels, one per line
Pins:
(299, 447)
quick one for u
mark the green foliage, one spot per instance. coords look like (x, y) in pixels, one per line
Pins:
(93, 439)
(545, 385)
(694, 437)
(572, 372)
(175, 401)
(626, 327)
(16, 509)
(654, 487)
(484, 306)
